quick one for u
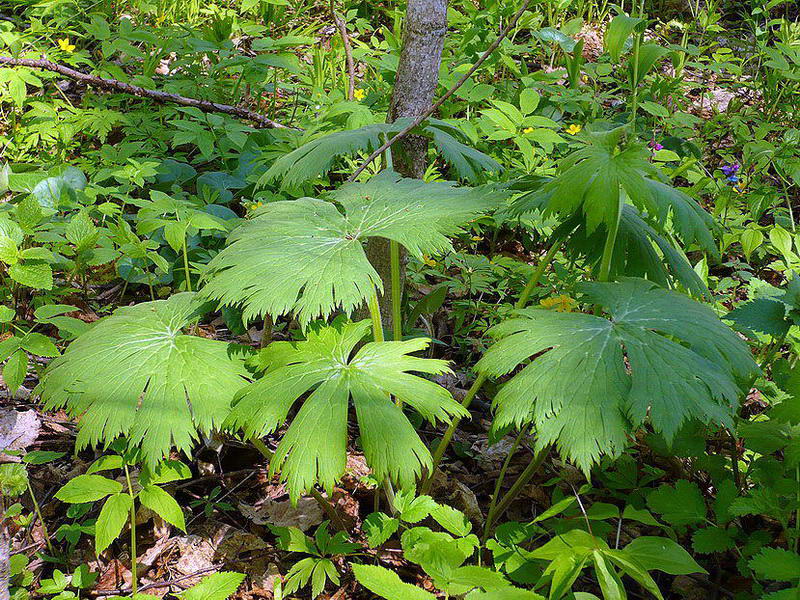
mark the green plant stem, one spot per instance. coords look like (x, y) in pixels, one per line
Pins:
(186, 267)
(451, 429)
(397, 291)
(375, 315)
(134, 575)
(635, 91)
(377, 333)
(523, 479)
(38, 512)
(797, 512)
(328, 508)
(525, 296)
(481, 379)
(608, 248)
(499, 483)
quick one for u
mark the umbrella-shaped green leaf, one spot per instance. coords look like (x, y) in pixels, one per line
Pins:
(305, 256)
(136, 374)
(325, 366)
(659, 355)
(593, 179)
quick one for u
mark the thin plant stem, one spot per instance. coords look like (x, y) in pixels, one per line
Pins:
(186, 267)
(608, 248)
(375, 315)
(523, 479)
(377, 334)
(635, 91)
(481, 379)
(134, 575)
(41, 520)
(525, 296)
(397, 291)
(499, 483)
(328, 508)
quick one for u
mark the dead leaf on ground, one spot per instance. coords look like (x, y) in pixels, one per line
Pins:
(305, 515)
(18, 430)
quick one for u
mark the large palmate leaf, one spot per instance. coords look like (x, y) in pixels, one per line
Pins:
(307, 257)
(316, 157)
(313, 450)
(135, 374)
(593, 181)
(660, 354)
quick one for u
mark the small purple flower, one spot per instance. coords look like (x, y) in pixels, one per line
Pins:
(730, 170)
(655, 146)
(733, 179)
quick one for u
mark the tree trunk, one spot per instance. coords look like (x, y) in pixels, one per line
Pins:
(417, 75)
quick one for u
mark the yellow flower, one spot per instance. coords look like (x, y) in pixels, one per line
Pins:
(740, 188)
(528, 130)
(476, 238)
(561, 303)
(359, 94)
(574, 129)
(65, 45)
(161, 19)
(428, 261)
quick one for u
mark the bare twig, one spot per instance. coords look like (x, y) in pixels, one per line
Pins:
(157, 584)
(348, 52)
(157, 95)
(492, 47)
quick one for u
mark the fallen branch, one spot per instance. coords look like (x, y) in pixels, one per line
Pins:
(157, 95)
(152, 586)
(492, 47)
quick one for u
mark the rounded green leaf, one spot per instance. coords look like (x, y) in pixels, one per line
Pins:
(135, 374)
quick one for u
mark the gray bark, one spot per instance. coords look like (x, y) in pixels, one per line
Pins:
(417, 76)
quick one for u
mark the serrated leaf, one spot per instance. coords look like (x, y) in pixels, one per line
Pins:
(451, 520)
(113, 516)
(594, 377)
(306, 257)
(135, 374)
(39, 344)
(33, 273)
(777, 564)
(317, 156)
(764, 315)
(88, 488)
(387, 584)
(14, 370)
(164, 505)
(712, 539)
(218, 586)
(592, 178)
(679, 505)
(379, 527)
(7, 314)
(313, 450)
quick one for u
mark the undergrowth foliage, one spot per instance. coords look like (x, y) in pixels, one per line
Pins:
(589, 383)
